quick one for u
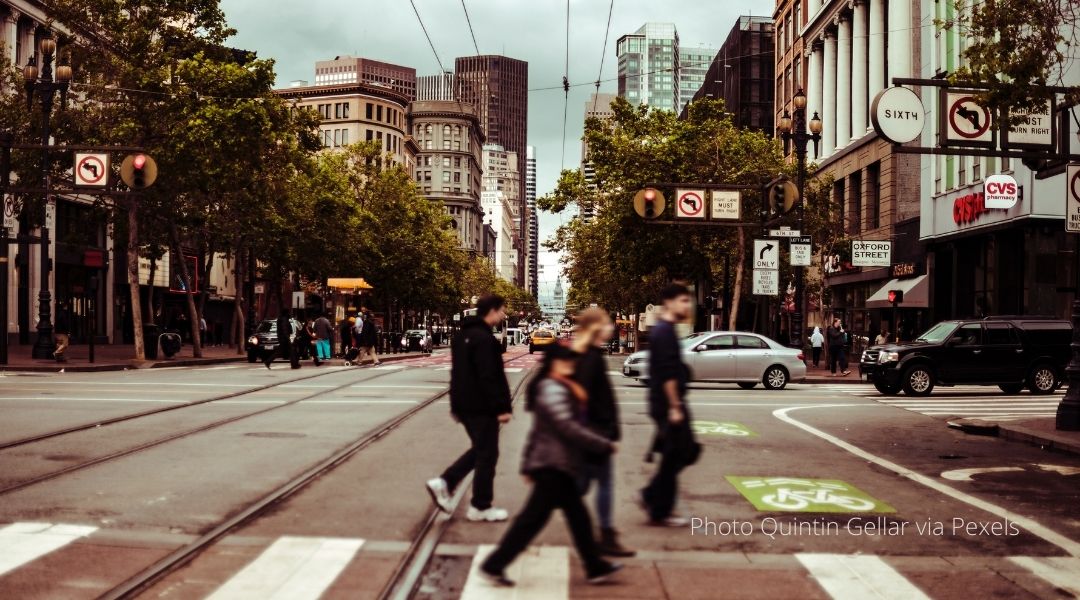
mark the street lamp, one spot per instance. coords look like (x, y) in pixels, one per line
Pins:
(793, 128)
(45, 86)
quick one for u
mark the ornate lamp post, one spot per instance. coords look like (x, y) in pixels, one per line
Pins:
(795, 129)
(46, 87)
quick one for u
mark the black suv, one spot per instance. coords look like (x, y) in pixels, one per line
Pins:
(265, 339)
(1010, 352)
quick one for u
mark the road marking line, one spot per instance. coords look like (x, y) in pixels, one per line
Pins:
(387, 368)
(292, 568)
(360, 402)
(23, 542)
(965, 474)
(221, 368)
(249, 402)
(541, 573)
(155, 384)
(513, 370)
(400, 387)
(1060, 571)
(77, 399)
(1033, 526)
(859, 577)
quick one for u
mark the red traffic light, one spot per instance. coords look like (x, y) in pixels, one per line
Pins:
(650, 195)
(139, 161)
(896, 296)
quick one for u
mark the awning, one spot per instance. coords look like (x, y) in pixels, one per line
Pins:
(348, 283)
(916, 293)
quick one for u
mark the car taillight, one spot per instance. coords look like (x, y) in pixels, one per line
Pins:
(801, 356)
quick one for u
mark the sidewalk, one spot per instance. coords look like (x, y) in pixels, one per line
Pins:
(1040, 432)
(822, 375)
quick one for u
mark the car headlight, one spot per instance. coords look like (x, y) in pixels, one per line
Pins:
(254, 341)
(888, 357)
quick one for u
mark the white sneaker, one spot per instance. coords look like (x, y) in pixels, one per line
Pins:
(440, 493)
(491, 514)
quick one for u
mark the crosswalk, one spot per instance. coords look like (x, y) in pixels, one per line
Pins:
(308, 568)
(965, 401)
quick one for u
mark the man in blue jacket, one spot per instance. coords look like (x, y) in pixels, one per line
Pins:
(480, 401)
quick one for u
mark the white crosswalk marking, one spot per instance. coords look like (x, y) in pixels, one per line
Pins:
(1060, 571)
(969, 401)
(541, 573)
(21, 543)
(846, 577)
(292, 568)
(513, 370)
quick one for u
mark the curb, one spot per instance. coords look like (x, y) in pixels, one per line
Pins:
(1015, 433)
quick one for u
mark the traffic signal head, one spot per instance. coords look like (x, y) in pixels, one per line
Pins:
(138, 171)
(778, 198)
(896, 296)
(650, 203)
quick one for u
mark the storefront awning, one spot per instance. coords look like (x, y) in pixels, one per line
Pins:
(916, 293)
(348, 283)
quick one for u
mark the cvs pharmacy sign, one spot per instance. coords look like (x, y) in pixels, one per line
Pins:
(1000, 191)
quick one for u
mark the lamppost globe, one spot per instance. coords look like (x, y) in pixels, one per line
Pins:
(30, 72)
(785, 123)
(799, 101)
(64, 72)
(815, 126)
(48, 45)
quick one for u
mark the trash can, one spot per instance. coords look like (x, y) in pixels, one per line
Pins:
(150, 340)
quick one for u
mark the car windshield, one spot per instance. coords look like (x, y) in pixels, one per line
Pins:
(937, 333)
(692, 339)
(267, 327)
(542, 334)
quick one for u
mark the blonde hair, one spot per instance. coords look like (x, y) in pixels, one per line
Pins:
(591, 317)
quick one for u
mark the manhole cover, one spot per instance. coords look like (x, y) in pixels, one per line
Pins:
(274, 434)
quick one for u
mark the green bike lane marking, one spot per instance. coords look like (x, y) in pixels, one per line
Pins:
(798, 494)
(728, 428)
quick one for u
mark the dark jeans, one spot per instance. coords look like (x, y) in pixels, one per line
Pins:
(662, 491)
(551, 489)
(837, 354)
(482, 457)
(817, 355)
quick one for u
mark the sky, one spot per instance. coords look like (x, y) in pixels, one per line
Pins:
(296, 34)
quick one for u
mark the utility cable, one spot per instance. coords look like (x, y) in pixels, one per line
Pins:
(441, 69)
(566, 88)
(469, 21)
(603, 54)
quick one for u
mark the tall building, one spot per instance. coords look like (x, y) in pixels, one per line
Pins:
(350, 69)
(741, 74)
(649, 66)
(694, 62)
(435, 87)
(501, 176)
(532, 279)
(498, 87)
(499, 215)
(597, 106)
(448, 164)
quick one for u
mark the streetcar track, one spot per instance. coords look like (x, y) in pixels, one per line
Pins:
(178, 435)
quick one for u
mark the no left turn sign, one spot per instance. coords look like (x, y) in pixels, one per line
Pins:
(91, 170)
(967, 121)
(690, 204)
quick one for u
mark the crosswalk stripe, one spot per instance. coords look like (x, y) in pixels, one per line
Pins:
(513, 370)
(292, 568)
(541, 573)
(388, 368)
(23, 542)
(858, 577)
(1061, 571)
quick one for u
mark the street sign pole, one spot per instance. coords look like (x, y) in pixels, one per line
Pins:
(1068, 411)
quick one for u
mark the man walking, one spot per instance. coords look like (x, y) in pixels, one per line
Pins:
(62, 331)
(480, 401)
(668, 378)
(324, 337)
(837, 340)
(366, 337)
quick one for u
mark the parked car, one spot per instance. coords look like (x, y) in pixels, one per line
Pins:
(265, 339)
(731, 357)
(541, 338)
(1009, 352)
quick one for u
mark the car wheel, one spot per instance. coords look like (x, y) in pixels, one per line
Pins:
(252, 357)
(747, 385)
(886, 389)
(775, 378)
(1011, 388)
(1042, 380)
(918, 381)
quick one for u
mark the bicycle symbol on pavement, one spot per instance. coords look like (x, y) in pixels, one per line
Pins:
(794, 494)
(721, 428)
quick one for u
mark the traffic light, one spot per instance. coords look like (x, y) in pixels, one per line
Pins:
(777, 199)
(138, 171)
(649, 203)
(896, 296)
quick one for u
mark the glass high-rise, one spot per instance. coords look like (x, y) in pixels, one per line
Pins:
(649, 66)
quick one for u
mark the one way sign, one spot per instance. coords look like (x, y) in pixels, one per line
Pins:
(766, 254)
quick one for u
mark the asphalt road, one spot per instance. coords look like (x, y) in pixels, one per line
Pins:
(817, 491)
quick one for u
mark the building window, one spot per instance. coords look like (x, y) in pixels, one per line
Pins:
(457, 177)
(369, 135)
(873, 200)
(446, 176)
(856, 201)
(369, 111)
(446, 144)
(428, 129)
(446, 161)
(378, 113)
(446, 130)
(427, 144)
(344, 137)
(337, 110)
(457, 162)
(344, 110)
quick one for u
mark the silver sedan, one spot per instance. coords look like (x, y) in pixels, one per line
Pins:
(731, 357)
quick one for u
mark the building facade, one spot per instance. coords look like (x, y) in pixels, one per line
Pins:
(597, 106)
(448, 163)
(742, 72)
(649, 66)
(498, 214)
(436, 87)
(532, 279)
(501, 176)
(350, 69)
(694, 62)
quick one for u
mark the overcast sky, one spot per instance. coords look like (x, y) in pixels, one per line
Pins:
(296, 34)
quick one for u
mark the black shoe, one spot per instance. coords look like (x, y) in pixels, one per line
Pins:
(609, 544)
(604, 573)
(496, 579)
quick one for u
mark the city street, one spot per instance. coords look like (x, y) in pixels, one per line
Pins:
(816, 491)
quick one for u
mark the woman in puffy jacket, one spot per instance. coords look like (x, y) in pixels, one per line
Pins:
(557, 445)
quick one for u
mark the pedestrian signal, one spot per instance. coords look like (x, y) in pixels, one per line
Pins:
(896, 296)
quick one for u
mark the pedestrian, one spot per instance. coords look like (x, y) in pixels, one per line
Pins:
(311, 341)
(602, 416)
(668, 379)
(552, 462)
(480, 401)
(324, 337)
(345, 329)
(284, 338)
(837, 339)
(62, 331)
(301, 340)
(882, 338)
(202, 330)
(366, 338)
(182, 326)
(816, 342)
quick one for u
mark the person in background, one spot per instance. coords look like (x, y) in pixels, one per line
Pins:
(301, 341)
(284, 338)
(817, 340)
(668, 379)
(553, 457)
(62, 331)
(202, 331)
(837, 340)
(480, 401)
(367, 338)
(602, 416)
(324, 337)
(882, 338)
(346, 335)
(310, 338)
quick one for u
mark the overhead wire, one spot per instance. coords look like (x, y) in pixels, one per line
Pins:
(471, 32)
(566, 87)
(603, 54)
(430, 43)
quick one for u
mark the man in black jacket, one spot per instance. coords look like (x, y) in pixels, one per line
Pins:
(367, 339)
(480, 401)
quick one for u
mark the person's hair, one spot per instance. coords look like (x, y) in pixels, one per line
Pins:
(673, 290)
(488, 303)
(554, 352)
